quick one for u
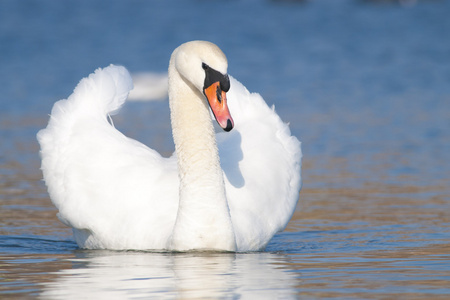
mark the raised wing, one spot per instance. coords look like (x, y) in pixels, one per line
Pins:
(95, 174)
(261, 163)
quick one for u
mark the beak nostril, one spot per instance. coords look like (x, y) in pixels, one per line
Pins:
(219, 94)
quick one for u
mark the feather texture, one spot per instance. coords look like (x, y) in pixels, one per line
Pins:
(117, 193)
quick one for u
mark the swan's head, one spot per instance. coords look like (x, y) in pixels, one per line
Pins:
(204, 65)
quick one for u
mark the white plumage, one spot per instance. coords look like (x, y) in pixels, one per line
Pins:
(117, 193)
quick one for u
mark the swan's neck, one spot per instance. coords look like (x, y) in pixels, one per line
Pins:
(203, 219)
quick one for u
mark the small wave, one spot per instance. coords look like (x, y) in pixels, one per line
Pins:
(15, 244)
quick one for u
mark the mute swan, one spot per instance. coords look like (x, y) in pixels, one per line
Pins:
(117, 193)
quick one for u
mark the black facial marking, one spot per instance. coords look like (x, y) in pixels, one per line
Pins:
(225, 84)
(215, 76)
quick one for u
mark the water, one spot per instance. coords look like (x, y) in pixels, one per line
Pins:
(365, 87)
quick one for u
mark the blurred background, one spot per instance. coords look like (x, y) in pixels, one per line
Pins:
(352, 77)
(364, 84)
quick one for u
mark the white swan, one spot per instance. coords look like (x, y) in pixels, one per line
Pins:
(117, 193)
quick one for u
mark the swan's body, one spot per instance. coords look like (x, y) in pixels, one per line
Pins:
(116, 193)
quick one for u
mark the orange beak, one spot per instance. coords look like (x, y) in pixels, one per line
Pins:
(218, 102)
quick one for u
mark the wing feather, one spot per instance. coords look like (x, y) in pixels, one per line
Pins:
(95, 174)
(261, 163)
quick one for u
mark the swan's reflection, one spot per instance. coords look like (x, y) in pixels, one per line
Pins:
(104, 274)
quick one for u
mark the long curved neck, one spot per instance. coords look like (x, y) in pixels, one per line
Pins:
(203, 219)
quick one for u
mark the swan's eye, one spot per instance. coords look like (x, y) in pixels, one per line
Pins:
(205, 66)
